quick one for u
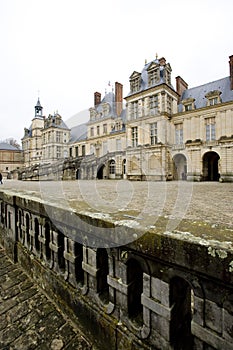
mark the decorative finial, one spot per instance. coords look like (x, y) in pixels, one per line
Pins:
(156, 56)
(145, 61)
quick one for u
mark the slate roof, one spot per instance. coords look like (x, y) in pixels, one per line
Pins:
(144, 77)
(199, 92)
(38, 103)
(78, 133)
(59, 126)
(110, 99)
(7, 147)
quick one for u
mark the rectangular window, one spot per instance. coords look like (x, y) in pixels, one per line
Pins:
(134, 136)
(153, 104)
(92, 131)
(58, 136)
(179, 134)
(118, 126)
(169, 104)
(58, 152)
(153, 77)
(188, 107)
(134, 110)
(105, 128)
(153, 133)
(213, 101)
(83, 150)
(210, 129)
(134, 84)
(98, 130)
(76, 151)
(70, 151)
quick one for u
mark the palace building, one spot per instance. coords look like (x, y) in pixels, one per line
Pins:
(163, 133)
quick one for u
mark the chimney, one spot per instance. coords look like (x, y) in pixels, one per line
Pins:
(118, 97)
(231, 70)
(97, 98)
(181, 86)
(162, 61)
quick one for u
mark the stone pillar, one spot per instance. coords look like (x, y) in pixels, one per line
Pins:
(90, 270)
(53, 245)
(70, 258)
(155, 301)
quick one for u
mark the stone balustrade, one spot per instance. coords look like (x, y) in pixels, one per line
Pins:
(159, 292)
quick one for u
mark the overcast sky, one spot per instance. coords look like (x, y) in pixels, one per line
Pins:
(68, 49)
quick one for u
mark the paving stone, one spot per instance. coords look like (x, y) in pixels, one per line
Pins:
(28, 320)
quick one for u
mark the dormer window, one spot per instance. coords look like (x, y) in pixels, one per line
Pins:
(188, 104)
(92, 113)
(188, 107)
(213, 97)
(106, 109)
(153, 74)
(135, 82)
(213, 101)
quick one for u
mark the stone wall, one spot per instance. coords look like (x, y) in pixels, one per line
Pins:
(162, 291)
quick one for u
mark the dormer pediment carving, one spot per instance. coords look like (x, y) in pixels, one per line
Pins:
(188, 100)
(213, 93)
(152, 66)
(134, 75)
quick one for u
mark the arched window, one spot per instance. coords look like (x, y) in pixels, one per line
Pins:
(112, 167)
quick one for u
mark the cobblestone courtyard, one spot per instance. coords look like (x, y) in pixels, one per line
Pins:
(198, 201)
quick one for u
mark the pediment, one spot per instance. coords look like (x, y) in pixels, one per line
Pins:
(213, 93)
(135, 75)
(152, 66)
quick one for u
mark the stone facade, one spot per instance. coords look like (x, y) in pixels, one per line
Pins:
(163, 133)
(46, 141)
(11, 160)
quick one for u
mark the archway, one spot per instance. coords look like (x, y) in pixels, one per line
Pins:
(101, 172)
(112, 169)
(179, 167)
(210, 166)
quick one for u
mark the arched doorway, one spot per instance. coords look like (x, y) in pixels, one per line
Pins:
(210, 166)
(179, 167)
(101, 172)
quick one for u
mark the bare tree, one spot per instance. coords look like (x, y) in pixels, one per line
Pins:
(12, 142)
